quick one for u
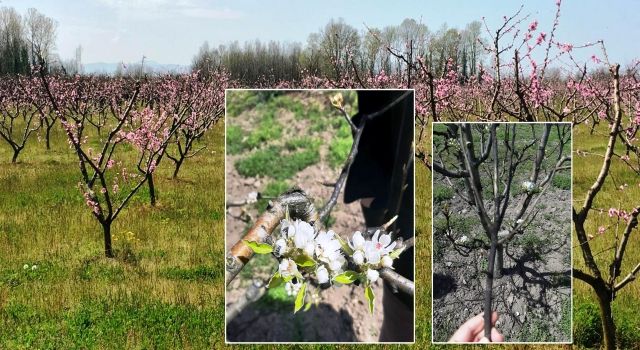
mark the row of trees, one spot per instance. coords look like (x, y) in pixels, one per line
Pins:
(339, 50)
(28, 40)
(155, 117)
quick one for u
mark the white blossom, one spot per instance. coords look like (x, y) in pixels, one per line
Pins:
(387, 261)
(287, 267)
(322, 274)
(372, 275)
(528, 186)
(280, 247)
(303, 236)
(26, 266)
(358, 257)
(357, 241)
(328, 250)
(462, 239)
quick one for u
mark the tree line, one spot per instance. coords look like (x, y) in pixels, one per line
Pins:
(29, 40)
(338, 50)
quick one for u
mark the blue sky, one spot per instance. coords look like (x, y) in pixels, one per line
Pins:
(171, 31)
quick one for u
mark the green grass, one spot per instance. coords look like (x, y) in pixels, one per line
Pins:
(163, 291)
(276, 164)
(562, 181)
(442, 193)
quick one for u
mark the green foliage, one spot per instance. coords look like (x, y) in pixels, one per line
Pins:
(339, 150)
(234, 139)
(273, 163)
(442, 193)
(347, 277)
(268, 129)
(129, 322)
(562, 181)
(587, 327)
(198, 273)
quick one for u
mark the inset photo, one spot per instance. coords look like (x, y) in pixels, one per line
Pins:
(319, 216)
(502, 232)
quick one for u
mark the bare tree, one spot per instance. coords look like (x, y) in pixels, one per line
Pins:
(40, 33)
(473, 152)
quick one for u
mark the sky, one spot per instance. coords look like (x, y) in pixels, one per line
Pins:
(171, 31)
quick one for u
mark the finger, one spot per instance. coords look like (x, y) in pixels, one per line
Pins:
(496, 337)
(494, 318)
(484, 340)
(468, 330)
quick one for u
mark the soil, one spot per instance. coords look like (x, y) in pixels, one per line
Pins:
(342, 314)
(533, 298)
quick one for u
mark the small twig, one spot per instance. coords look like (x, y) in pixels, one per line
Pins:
(295, 202)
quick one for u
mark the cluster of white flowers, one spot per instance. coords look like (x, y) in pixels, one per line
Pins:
(304, 252)
(373, 254)
(298, 241)
(528, 186)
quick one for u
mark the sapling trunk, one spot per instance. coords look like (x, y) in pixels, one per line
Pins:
(178, 164)
(497, 272)
(608, 326)
(48, 136)
(488, 292)
(106, 230)
(152, 189)
(14, 158)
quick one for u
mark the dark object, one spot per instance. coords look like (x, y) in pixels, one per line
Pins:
(377, 172)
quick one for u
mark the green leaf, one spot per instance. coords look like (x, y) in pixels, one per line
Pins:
(347, 277)
(396, 253)
(304, 261)
(307, 307)
(344, 245)
(258, 248)
(300, 298)
(276, 280)
(368, 293)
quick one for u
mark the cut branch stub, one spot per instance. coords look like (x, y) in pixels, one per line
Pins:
(299, 206)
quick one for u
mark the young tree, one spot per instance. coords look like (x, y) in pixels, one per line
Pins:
(18, 120)
(473, 152)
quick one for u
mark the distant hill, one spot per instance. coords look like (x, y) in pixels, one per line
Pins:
(149, 66)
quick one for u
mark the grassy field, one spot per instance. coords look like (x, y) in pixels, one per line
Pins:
(164, 288)
(170, 294)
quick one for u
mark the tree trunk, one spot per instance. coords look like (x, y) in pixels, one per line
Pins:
(108, 250)
(488, 292)
(177, 169)
(152, 189)
(497, 272)
(608, 326)
(48, 137)
(16, 152)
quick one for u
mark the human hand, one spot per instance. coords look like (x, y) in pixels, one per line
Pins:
(472, 331)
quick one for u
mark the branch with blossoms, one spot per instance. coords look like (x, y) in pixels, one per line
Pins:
(106, 182)
(607, 288)
(309, 256)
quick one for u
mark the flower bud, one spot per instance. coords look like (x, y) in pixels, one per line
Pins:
(322, 274)
(387, 261)
(372, 275)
